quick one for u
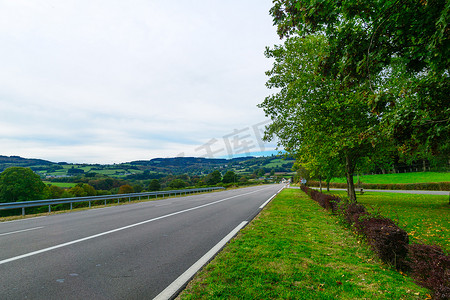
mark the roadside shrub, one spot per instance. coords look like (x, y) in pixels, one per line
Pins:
(351, 211)
(328, 202)
(444, 186)
(388, 241)
(430, 267)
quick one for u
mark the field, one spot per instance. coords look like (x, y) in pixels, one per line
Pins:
(61, 184)
(296, 250)
(426, 218)
(277, 163)
(414, 177)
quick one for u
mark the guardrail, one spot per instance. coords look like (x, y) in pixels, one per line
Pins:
(118, 197)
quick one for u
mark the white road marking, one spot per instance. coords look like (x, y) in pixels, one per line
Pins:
(117, 229)
(175, 286)
(13, 232)
(265, 203)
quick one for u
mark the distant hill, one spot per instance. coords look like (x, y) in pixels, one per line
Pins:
(17, 161)
(190, 165)
(163, 166)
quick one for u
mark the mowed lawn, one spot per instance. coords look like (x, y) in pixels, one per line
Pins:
(413, 177)
(296, 250)
(426, 218)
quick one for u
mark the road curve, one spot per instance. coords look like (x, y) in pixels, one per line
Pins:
(121, 252)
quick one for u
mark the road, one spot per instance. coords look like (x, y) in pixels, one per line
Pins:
(121, 252)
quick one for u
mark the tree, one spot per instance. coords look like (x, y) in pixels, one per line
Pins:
(229, 177)
(82, 190)
(20, 184)
(73, 171)
(126, 189)
(53, 192)
(137, 188)
(177, 184)
(213, 178)
(404, 42)
(318, 118)
(272, 172)
(106, 183)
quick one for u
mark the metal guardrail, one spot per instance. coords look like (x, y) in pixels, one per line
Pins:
(118, 197)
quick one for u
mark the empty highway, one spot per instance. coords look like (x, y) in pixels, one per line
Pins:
(120, 252)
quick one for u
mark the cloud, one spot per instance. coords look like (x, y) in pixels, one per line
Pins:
(114, 81)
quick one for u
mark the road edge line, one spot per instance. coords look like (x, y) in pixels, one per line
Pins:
(175, 287)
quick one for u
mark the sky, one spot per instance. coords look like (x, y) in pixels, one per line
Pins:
(109, 81)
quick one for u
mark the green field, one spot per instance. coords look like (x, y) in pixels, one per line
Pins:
(277, 163)
(61, 184)
(296, 250)
(426, 218)
(414, 177)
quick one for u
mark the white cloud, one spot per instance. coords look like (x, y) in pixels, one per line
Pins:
(114, 81)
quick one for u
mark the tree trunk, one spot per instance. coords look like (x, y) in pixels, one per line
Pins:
(349, 170)
(328, 186)
(320, 183)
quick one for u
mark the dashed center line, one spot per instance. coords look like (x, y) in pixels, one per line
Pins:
(13, 232)
(120, 229)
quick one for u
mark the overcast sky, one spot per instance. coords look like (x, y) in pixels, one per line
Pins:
(109, 81)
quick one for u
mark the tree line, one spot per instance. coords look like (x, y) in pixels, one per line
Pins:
(359, 84)
(22, 184)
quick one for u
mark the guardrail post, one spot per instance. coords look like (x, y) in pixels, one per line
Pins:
(49, 208)
(23, 211)
(70, 205)
(89, 204)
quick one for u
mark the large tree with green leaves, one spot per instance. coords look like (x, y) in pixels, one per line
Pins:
(20, 184)
(213, 178)
(403, 42)
(229, 177)
(154, 185)
(319, 119)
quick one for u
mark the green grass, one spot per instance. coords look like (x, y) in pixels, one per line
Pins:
(277, 163)
(426, 218)
(61, 184)
(414, 177)
(296, 250)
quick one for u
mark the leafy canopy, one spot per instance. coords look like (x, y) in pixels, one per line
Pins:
(397, 50)
(20, 184)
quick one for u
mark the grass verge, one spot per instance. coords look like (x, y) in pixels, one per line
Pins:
(296, 250)
(426, 218)
(412, 177)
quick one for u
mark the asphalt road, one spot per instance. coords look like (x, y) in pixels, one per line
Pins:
(122, 252)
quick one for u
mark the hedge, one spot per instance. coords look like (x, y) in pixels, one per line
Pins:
(428, 265)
